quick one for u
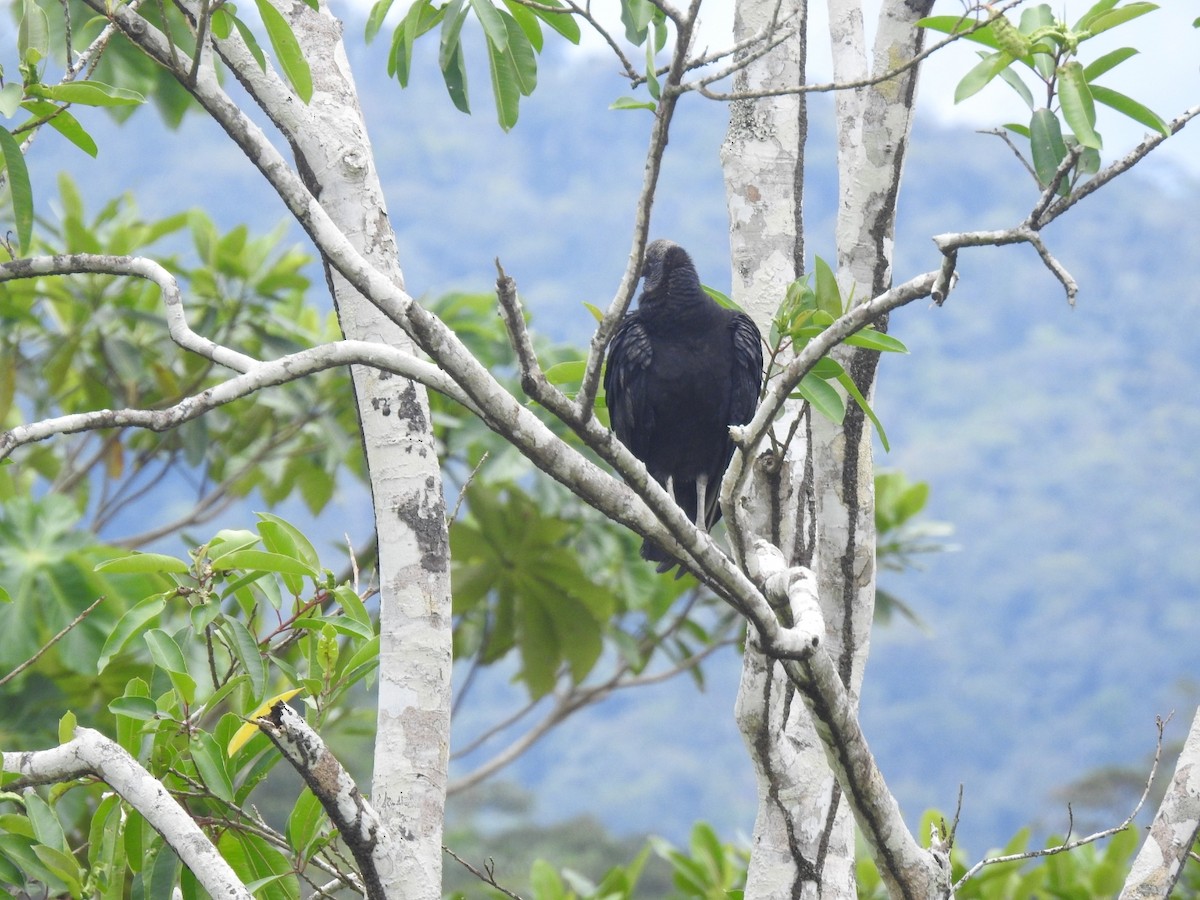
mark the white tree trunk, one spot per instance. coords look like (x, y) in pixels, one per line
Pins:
(818, 500)
(1174, 831)
(798, 849)
(412, 742)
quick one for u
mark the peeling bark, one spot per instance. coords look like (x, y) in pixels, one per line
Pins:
(1174, 831)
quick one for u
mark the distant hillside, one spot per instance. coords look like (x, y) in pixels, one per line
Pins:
(1060, 442)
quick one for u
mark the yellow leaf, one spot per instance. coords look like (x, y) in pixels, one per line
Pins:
(242, 736)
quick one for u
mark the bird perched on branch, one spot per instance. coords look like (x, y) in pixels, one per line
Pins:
(681, 370)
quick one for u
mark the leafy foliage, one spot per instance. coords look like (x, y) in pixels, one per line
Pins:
(1062, 102)
(811, 305)
(902, 536)
(513, 36)
(90, 342)
(246, 614)
(1093, 871)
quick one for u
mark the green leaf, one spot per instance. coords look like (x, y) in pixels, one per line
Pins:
(455, 76)
(721, 298)
(539, 649)
(247, 35)
(342, 624)
(636, 15)
(1130, 107)
(210, 763)
(493, 23)
(520, 50)
(305, 821)
(221, 22)
(506, 89)
(167, 656)
(1013, 80)
(852, 389)
(1047, 147)
(823, 397)
(142, 708)
(876, 340)
(531, 26)
(352, 605)
(633, 103)
(984, 71)
(1089, 161)
(652, 84)
(960, 25)
(66, 727)
(64, 866)
(1034, 19)
(1119, 16)
(452, 23)
(597, 312)
(287, 50)
(1108, 61)
(163, 871)
(143, 563)
(266, 561)
(281, 536)
(828, 293)
(33, 34)
(514, 69)
(63, 122)
(245, 648)
(564, 23)
(10, 100)
(262, 868)
(20, 190)
(1077, 106)
(1098, 9)
(375, 20)
(165, 651)
(569, 372)
(92, 93)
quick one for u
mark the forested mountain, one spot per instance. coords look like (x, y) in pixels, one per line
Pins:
(1058, 441)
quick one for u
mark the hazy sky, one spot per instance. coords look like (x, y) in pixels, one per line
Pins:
(1165, 76)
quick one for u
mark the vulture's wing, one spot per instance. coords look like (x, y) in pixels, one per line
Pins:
(746, 374)
(625, 384)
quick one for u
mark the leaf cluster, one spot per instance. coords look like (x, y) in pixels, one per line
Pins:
(88, 342)
(247, 619)
(43, 104)
(1044, 51)
(809, 307)
(512, 32)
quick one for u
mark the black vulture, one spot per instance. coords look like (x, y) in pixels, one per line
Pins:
(681, 370)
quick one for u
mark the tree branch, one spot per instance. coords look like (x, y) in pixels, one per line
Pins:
(373, 847)
(90, 753)
(1068, 845)
(908, 870)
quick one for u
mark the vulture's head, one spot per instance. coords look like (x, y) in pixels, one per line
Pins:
(667, 269)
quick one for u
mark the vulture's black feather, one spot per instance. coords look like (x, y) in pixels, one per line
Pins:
(681, 370)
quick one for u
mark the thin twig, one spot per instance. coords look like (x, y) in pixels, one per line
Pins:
(487, 876)
(1003, 135)
(1067, 844)
(50, 643)
(701, 85)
